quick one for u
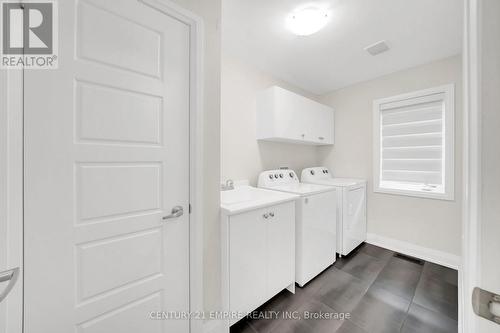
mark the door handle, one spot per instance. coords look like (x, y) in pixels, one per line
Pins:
(177, 211)
(11, 276)
(486, 304)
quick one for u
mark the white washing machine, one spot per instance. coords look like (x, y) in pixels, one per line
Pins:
(351, 203)
(315, 222)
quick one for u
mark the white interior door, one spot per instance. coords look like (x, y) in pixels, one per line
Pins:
(106, 157)
(489, 244)
(482, 210)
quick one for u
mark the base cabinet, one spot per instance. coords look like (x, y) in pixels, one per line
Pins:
(261, 256)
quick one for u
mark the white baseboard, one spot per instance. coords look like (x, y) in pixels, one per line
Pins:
(417, 251)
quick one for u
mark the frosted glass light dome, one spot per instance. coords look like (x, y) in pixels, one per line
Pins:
(307, 21)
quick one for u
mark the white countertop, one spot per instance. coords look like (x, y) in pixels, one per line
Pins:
(246, 198)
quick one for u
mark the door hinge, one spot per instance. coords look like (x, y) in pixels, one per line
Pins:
(486, 305)
(189, 208)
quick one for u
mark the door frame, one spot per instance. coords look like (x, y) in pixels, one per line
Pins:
(471, 219)
(196, 125)
(11, 190)
(13, 164)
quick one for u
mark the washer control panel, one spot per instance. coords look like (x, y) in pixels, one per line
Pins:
(271, 178)
(315, 173)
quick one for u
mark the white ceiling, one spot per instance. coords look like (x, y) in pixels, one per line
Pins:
(417, 31)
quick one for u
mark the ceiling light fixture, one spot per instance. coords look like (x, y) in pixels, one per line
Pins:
(307, 21)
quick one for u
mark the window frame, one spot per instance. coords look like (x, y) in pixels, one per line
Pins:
(448, 143)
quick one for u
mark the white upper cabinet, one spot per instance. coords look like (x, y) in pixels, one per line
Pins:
(288, 117)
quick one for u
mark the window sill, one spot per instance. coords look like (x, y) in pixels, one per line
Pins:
(416, 193)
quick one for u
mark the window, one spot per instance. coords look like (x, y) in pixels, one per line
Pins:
(414, 144)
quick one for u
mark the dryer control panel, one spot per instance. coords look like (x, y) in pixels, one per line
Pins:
(272, 178)
(310, 174)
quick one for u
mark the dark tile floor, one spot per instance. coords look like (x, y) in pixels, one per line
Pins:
(375, 290)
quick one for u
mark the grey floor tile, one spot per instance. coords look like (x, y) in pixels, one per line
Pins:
(439, 296)
(342, 291)
(312, 287)
(400, 277)
(320, 317)
(341, 261)
(421, 320)
(363, 266)
(349, 327)
(409, 264)
(242, 327)
(439, 272)
(377, 252)
(264, 325)
(292, 326)
(284, 301)
(374, 290)
(380, 311)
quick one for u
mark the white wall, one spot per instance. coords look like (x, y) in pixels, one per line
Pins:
(242, 156)
(433, 224)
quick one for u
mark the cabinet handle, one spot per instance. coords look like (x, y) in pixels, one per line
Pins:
(302, 135)
(266, 215)
(321, 138)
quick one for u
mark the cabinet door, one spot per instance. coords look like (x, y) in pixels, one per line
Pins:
(321, 125)
(281, 247)
(291, 121)
(247, 261)
(326, 125)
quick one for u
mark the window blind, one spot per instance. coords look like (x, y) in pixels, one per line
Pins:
(412, 143)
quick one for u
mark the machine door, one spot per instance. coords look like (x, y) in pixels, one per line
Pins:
(354, 217)
(317, 235)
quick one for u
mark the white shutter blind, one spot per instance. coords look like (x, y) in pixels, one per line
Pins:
(412, 143)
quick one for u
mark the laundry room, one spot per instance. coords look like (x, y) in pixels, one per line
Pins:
(360, 124)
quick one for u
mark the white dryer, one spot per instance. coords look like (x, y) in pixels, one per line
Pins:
(351, 206)
(315, 222)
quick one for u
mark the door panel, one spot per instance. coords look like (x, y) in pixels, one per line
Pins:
(490, 159)
(11, 197)
(280, 244)
(106, 157)
(247, 261)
